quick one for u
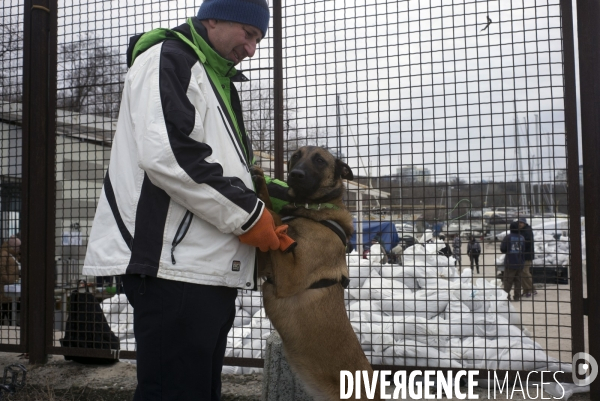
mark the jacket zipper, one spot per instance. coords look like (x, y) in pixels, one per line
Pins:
(181, 232)
(235, 145)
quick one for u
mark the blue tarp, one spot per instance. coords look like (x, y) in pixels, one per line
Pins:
(386, 231)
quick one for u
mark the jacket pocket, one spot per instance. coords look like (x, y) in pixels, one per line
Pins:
(182, 230)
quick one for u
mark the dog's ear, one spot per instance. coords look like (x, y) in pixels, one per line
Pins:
(343, 170)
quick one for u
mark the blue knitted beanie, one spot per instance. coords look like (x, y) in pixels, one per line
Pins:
(250, 12)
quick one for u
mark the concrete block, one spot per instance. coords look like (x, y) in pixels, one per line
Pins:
(279, 382)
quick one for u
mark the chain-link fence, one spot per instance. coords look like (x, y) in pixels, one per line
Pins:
(452, 117)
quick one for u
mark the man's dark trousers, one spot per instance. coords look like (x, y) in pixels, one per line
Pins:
(181, 333)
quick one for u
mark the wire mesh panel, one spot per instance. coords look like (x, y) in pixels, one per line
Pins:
(93, 39)
(451, 115)
(11, 96)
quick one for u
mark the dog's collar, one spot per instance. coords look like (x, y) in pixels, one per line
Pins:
(315, 206)
(332, 225)
(328, 282)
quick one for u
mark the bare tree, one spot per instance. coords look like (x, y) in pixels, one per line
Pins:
(259, 116)
(90, 76)
(11, 57)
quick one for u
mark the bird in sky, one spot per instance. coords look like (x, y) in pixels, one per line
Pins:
(489, 22)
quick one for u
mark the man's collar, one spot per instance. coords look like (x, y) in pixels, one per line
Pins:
(221, 65)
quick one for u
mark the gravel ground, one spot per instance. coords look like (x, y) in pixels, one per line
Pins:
(61, 380)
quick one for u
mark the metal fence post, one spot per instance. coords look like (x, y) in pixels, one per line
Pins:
(39, 147)
(577, 308)
(588, 15)
(278, 87)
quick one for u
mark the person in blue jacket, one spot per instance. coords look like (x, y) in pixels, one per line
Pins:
(513, 246)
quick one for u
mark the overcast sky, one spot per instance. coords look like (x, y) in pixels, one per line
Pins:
(419, 82)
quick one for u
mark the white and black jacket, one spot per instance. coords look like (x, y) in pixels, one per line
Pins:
(178, 192)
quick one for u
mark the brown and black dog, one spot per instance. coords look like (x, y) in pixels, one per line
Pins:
(304, 289)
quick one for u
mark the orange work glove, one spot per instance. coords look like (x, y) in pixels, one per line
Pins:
(262, 235)
(286, 243)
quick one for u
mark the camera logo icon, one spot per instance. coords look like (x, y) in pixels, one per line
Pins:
(584, 365)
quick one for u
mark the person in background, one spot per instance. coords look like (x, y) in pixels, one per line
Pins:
(446, 251)
(397, 252)
(456, 251)
(529, 254)
(376, 251)
(10, 256)
(473, 251)
(513, 246)
(178, 218)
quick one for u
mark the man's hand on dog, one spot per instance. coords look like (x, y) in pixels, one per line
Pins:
(265, 236)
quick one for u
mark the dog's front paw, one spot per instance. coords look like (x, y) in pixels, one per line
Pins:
(256, 171)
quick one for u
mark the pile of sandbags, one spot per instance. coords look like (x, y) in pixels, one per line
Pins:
(423, 313)
(119, 315)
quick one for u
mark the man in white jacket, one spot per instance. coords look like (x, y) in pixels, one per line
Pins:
(178, 216)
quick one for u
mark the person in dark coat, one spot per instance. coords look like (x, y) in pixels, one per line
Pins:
(529, 254)
(473, 251)
(456, 251)
(513, 246)
(446, 251)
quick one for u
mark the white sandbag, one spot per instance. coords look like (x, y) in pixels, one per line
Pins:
(413, 353)
(484, 325)
(115, 304)
(500, 353)
(238, 333)
(419, 328)
(405, 274)
(364, 305)
(369, 316)
(377, 287)
(250, 349)
(439, 283)
(260, 333)
(353, 258)
(505, 329)
(520, 356)
(242, 317)
(231, 370)
(373, 336)
(376, 254)
(473, 352)
(466, 276)
(473, 298)
(127, 344)
(374, 359)
(250, 302)
(458, 325)
(358, 273)
(505, 309)
(490, 288)
(417, 271)
(260, 314)
(424, 303)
